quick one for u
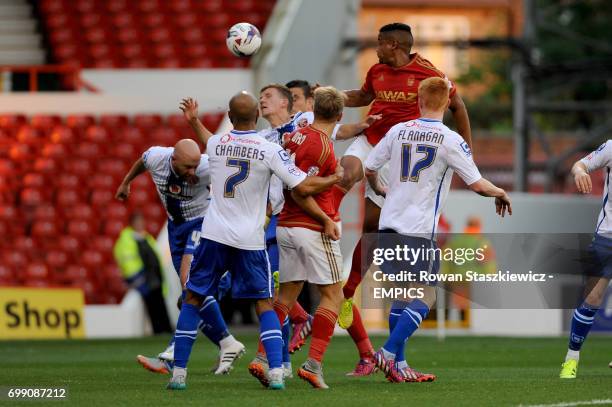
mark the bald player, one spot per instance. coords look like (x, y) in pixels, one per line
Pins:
(233, 238)
(182, 179)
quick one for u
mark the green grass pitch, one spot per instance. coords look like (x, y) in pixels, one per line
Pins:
(471, 371)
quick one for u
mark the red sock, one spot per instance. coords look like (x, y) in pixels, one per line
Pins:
(322, 331)
(281, 311)
(360, 336)
(355, 276)
(297, 315)
(338, 194)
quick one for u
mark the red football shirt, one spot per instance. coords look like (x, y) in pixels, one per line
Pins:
(395, 91)
(313, 153)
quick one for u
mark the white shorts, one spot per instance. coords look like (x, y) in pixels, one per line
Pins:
(360, 148)
(307, 255)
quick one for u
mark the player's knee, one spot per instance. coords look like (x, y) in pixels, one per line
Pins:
(193, 298)
(353, 171)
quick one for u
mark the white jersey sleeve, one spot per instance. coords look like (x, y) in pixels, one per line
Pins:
(285, 169)
(155, 157)
(459, 157)
(602, 157)
(381, 154)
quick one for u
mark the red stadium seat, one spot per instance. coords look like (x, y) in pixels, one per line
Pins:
(30, 136)
(47, 166)
(212, 120)
(209, 6)
(80, 212)
(57, 20)
(146, 121)
(125, 152)
(80, 229)
(116, 6)
(97, 134)
(8, 276)
(112, 228)
(62, 135)
(15, 259)
(91, 20)
(194, 50)
(67, 197)
(104, 63)
(21, 153)
(154, 227)
(78, 167)
(88, 151)
(45, 121)
(216, 20)
(154, 212)
(139, 198)
(127, 34)
(153, 20)
(8, 212)
(241, 6)
(115, 168)
(116, 211)
(101, 198)
(33, 180)
(74, 273)
(113, 121)
(148, 6)
(67, 181)
(92, 259)
(44, 229)
(54, 151)
(31, 197)
(45, 213)
(202, 62)
(164, 50)
(36, 271)
(69, 244)
(24, 244)
(103, 245)
(79, 121)
(137, 63)
(102, 181)
(187, 20)
(159, 35)
(56, 259)
(179, 6)
(131, 135)
(164, 136)
(12, 121)
(99, 51)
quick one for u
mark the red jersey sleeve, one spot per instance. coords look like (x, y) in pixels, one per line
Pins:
(367, 85)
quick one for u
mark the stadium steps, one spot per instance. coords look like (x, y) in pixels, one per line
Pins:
(20, 44)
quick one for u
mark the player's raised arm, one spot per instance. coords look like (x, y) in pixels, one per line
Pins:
(350, 130)
(462, 120)
(313, 185)
(123, 192)
(357, 98)
(189, 107)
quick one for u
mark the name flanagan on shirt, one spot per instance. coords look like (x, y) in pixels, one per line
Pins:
(416, 135)
(251, 153)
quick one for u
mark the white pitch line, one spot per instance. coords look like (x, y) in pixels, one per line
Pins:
(572, 403)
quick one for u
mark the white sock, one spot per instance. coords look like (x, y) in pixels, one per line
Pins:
(179, 371)
(287, 365)
(572, 354)
(387, 354)
(227, 341)
(402, 365)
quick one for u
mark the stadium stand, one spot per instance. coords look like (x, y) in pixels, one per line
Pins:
(57, 195)
(146, 33)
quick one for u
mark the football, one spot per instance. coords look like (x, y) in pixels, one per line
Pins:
(243, 39)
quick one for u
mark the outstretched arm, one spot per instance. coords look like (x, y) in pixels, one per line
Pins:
(189, 107)
(123, 192)
(582, 177)
(502, 201)
(460, 114)
(313, 185)
(347, 131)
(357, 98)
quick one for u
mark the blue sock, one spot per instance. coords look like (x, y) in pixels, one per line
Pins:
(582, 322)
(271, 338)
(186, 333)
(213, 325)
(407, 323)
(394, 314)
(286, 331)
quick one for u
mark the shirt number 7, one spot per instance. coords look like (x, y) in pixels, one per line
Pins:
(244, 167)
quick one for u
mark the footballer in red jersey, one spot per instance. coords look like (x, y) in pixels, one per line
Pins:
(391, 87)
(308, 239)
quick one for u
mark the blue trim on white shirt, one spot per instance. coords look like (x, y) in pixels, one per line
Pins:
(241, 132)
(433, 228)
(429, 120)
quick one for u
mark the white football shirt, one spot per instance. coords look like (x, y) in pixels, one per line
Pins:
(241, 165)
(183, 201)
(422, 156)
(600, 158)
